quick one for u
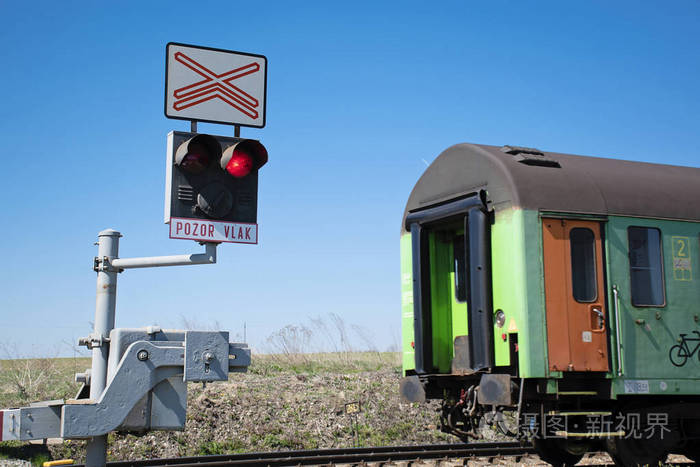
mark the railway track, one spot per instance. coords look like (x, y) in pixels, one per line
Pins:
(341, 456)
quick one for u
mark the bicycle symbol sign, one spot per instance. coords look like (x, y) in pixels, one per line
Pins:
(215, 85)
(681, 352)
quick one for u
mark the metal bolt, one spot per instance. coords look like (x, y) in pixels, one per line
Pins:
(142, 355)
(207, 356)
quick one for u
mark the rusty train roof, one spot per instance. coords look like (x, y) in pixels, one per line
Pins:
(548, 181)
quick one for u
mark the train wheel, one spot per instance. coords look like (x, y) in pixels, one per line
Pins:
(630, 451)
(553, 451)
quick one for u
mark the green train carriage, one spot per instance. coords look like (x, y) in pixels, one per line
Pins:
(561, 287)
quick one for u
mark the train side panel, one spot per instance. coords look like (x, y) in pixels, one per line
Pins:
(658, 303)
(535, 345)
(515, 273)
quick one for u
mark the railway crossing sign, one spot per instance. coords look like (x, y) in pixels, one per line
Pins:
(215, 85)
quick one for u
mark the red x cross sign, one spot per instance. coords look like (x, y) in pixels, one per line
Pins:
(215, 86)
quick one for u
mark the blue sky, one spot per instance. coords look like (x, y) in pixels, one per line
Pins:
(360, 95)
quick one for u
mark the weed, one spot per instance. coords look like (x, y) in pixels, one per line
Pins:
(274, 442)
(213, 447)
(36, 454)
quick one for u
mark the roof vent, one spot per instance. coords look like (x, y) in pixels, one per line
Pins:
(530, 156)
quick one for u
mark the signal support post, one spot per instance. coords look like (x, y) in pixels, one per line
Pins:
(138, 378)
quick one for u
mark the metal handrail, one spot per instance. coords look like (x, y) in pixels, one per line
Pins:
(616, 305)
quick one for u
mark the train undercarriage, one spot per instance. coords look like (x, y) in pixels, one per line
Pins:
(564, 425)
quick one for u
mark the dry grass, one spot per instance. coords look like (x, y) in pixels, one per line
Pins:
(292, 397)
(285, 401)
(325, 362)
(24, 380)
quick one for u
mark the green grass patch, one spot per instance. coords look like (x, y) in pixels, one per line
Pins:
(210, 448)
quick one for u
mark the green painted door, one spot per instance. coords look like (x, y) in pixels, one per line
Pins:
(448, 292)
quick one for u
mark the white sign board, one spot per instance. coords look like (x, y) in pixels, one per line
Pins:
(215, 85)
(213, 231)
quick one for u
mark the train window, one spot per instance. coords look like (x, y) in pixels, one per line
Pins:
(646, 266)
(460, 262)
(583, 273)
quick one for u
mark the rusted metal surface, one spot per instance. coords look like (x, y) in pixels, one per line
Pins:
(343, 456)
(504, 453)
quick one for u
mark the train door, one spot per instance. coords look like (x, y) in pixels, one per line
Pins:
(451, 272)
(448, 294)
(574, 295)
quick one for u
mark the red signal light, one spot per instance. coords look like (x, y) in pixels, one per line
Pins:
(244, 157)
(240, 164)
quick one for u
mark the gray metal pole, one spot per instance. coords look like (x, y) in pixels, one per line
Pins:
(105, 306)
(209, 257)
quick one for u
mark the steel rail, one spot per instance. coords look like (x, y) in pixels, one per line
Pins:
(341, 456)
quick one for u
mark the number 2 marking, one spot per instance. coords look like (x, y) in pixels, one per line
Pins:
(681, 249)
